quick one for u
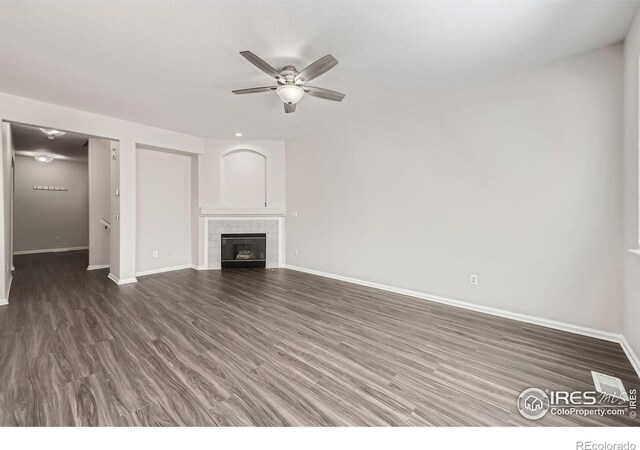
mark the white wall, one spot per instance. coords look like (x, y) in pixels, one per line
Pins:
(128, 135)
(115, 242)
(243, 179)
(517, 181)
(99, 201)
(197, 237)
(631, 311)
(6, 256)
(41, 216)
(163, 221)
(211, 195)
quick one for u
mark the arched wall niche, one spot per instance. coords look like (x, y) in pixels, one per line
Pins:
(243, 178)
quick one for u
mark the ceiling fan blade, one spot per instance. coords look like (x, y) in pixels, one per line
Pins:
(255, 90)
(260, 64)
(323, 93)
(289, 108)
(314, 70)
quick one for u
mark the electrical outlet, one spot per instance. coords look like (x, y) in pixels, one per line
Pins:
(170, 252)
(473, 279)
(296, 252)
(294, 213)
(58, 238)
(155, 253)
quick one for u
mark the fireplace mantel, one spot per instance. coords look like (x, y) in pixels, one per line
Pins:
(278, 211)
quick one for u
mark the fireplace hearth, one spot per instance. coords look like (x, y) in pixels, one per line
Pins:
(244, 250)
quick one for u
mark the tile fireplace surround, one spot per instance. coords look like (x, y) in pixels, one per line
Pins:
(216, 227)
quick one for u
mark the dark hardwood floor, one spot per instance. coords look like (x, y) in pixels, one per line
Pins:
(269, 347)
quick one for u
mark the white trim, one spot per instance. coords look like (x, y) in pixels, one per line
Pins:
(9, 287)
(577, 329)
(633, 358)
(267, 211)
(119, 282)
(164, 269)
(635, 251)
(281, 244)
(5, 301)
(100, 266)
(196, 267)
(562, 326)
(49, 250)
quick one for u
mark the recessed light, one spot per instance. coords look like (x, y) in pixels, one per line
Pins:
(52, 133)
(43, 158)
(237, 134)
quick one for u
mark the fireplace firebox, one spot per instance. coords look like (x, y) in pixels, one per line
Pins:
(244, 250)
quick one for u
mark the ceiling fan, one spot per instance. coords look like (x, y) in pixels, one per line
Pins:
(291, 83)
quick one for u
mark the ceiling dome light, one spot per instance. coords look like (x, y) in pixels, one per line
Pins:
(237, 134)
(43, 158)
(51, 133)
(290, 93)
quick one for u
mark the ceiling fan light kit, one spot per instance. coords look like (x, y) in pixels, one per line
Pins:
(291, 83)
(290, 93)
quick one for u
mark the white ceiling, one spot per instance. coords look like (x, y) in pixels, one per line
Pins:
(29, 141)
(174, 64)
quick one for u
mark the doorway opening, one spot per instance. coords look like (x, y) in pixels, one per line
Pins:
(60, 198)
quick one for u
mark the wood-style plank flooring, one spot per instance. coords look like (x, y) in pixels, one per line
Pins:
(269, 347)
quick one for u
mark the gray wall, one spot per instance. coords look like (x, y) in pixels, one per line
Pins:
(517, 181)
(632, 263)
(40, 216)
(99, 201)
(163, 210)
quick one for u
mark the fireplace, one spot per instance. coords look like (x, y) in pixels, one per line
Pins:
(243, 250)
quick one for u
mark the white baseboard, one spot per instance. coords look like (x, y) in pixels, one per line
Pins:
(197, 267)
(633, 358)
(118, 281)
(164, 269)
(49, 250)
(562, 326)
(9, 287)
(5, 301)
(100, 266)
(577, 329)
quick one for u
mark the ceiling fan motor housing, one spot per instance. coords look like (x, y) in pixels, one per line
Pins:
(288, 75)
